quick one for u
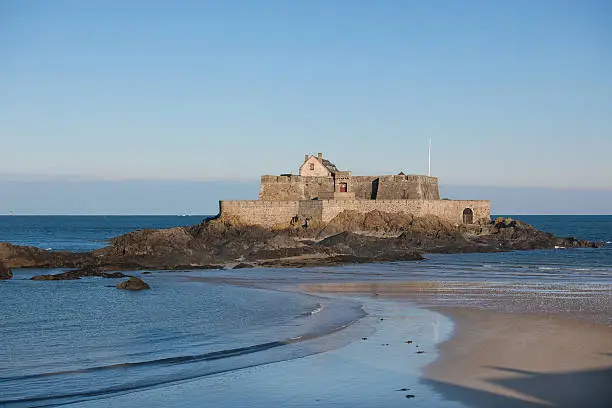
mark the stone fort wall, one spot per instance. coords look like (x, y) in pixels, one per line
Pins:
(393, 187)
(281, 213)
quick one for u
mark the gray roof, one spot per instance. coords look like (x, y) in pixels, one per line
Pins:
(329, 166)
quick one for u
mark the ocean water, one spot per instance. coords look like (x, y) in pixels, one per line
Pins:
(81, 232)
(70, 341)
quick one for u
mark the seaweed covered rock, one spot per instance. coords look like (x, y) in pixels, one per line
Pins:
(133, 283)
(351, 236)
(5, 272)
(88, 271)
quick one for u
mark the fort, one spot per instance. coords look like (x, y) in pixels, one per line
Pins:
(321, 191)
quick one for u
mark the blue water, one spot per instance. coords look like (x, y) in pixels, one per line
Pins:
(81, 232)
(66, 341)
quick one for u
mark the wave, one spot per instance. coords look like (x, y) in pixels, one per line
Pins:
(176, 369)
(318, 308)
(216, 355)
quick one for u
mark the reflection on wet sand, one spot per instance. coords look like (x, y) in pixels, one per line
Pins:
(514, 345)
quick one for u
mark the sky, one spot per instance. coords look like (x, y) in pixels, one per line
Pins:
(514, 95)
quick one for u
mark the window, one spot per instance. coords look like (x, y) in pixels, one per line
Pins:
(311, 166)
(343, 187)
(468, 216)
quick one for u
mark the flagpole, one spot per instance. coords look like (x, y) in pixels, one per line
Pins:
(429, 159)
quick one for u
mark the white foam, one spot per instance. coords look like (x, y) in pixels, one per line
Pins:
(318, 308)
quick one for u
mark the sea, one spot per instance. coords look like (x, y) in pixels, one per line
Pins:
(65, 342)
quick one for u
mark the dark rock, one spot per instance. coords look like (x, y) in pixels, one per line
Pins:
(75, 274)
(147, 273)
(192, 267)
(409, 341)
(5, 272)
(410, 396)
(350, 237)
(57, 276)
(404, 389)
(420, 352)
(133, 284)
(364, 338)
(242, 265)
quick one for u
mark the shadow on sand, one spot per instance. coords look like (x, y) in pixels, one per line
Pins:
(592, 388)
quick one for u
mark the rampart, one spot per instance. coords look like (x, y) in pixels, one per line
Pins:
(391, 187)
(282, 213)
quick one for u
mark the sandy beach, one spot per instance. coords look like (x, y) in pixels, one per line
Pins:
(509, 360)
(512, 350)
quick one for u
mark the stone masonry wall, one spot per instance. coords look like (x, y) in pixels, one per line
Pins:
(285, 188)
(407, 188)
(280, 213)
(398, 187)
(256, 212)
(281, 188)
(449, 210)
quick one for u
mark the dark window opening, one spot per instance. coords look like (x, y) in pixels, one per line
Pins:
(311, 166)
(343, 187)
(374, 189)
(468, 216)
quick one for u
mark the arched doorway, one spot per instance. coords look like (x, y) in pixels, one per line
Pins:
(468, 216)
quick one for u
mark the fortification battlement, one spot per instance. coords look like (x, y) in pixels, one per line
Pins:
(319, 178)
(321, 191)
(285, 213)
(280, 204)
(285, 178)
(294, 178)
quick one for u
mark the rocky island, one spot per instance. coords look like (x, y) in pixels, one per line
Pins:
(324, 216)
(349, 238)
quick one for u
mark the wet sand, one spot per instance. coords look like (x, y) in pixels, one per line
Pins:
(513, 348)
(469, 344)
(379, 366)
(509, 360)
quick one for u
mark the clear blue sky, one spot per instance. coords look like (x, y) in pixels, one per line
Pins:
(513, 93)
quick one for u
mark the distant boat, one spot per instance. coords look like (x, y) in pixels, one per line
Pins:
(10, 213)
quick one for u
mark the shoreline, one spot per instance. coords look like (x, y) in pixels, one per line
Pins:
(502, 359)
(348, 238)
(377, 367)
(494, 355)
(502, 356)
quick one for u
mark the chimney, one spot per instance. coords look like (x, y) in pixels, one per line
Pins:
(305, 158)
(320, 157)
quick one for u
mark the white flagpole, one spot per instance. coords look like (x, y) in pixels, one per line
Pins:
(429, 159)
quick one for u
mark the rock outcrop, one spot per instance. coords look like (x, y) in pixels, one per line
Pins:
(5, 272)
(16, 256)
(349, 237)
(133, 283)
(87, 271)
